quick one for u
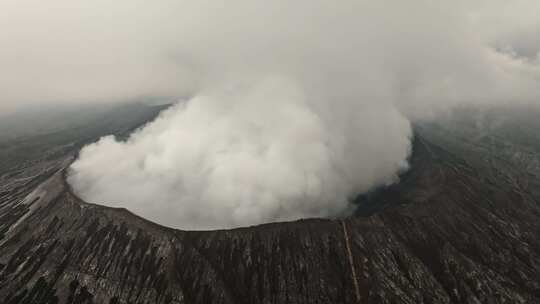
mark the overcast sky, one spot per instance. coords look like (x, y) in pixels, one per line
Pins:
(75, 51)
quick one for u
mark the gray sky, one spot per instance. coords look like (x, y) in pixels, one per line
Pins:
(73, 51)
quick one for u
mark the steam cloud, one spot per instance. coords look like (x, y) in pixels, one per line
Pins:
(256, 153)
(296, 107)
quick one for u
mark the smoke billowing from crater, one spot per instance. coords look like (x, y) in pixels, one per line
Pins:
(256, 153)
(298, 106)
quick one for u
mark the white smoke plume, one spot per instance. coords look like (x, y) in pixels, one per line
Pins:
(248, 155)
(299, 105)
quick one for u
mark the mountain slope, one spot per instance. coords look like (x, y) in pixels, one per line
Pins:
(450, 232)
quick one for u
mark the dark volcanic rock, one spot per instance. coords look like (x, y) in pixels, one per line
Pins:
(448, 233)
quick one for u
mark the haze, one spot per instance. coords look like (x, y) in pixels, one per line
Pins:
(295, 106)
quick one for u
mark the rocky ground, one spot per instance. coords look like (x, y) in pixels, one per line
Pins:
(462, 226)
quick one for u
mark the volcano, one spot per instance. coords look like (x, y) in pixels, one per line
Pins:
(461, 226)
